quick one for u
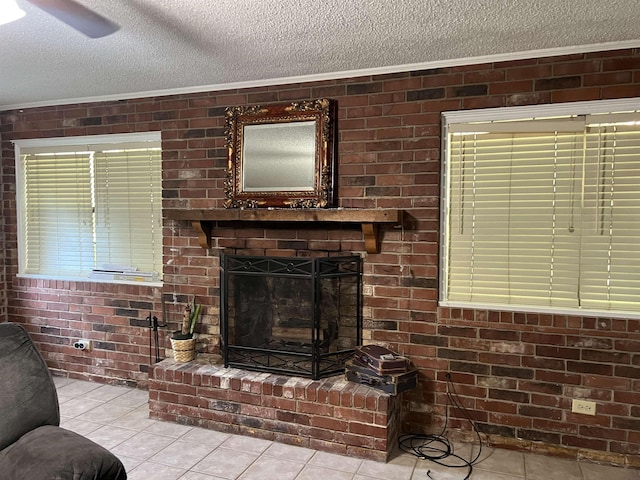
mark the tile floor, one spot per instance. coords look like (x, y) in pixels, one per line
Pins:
(117, 418)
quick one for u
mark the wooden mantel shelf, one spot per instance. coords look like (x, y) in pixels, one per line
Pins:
(369, 219)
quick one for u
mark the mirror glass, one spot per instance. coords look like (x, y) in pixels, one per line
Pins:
(281, 155)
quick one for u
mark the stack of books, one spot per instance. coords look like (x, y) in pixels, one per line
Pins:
(381, 368)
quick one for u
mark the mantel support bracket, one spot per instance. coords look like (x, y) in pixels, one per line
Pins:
(370, 231)
(203, 229)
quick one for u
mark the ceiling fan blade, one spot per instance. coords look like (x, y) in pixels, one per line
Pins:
(77, 16)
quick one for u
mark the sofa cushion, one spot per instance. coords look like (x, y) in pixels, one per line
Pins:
(28, 396)
(53, 453)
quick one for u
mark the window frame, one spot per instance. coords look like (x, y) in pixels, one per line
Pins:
(79, 141)
(504, 114)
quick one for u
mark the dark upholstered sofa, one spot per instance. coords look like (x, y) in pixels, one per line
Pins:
(32, 445)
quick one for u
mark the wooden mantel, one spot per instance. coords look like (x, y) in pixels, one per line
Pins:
(369, 219)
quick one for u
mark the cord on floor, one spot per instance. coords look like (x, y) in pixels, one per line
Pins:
(436, 447)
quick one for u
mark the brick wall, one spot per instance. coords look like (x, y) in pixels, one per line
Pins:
(5, 211)
(516, 373)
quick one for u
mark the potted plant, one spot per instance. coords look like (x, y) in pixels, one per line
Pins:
(183, 341)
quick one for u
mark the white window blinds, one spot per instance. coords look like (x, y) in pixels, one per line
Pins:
(544, 213)
(129, 183)
(90, 207)
(610, 273)
(58, 215)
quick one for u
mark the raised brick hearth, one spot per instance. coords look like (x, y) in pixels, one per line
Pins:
(330, 414)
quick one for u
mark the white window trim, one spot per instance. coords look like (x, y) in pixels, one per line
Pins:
(138, 137)
(511, 113)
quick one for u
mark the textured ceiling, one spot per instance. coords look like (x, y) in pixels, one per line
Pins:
(167, 46)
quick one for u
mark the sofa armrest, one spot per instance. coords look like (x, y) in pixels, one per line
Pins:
(53, 453)
(28, 397)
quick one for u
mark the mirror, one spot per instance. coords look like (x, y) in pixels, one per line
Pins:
(281, 155)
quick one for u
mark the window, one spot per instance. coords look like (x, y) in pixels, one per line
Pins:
(542, 208)
(90, 207)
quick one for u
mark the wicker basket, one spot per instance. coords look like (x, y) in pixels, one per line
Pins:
(184, 350)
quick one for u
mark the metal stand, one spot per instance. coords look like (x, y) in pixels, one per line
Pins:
(153, 326)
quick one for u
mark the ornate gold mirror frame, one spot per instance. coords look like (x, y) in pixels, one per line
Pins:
(281, 155)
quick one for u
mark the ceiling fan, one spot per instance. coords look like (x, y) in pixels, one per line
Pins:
(77, 16)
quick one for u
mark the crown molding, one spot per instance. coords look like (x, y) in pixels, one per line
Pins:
(483, 59)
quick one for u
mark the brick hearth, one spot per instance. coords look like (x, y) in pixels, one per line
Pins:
(330, 414)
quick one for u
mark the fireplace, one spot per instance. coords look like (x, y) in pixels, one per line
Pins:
(290, 315)
(287, 327)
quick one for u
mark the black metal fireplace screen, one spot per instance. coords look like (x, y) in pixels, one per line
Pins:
(296, 316)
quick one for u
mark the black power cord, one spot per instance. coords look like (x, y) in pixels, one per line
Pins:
(436, 447)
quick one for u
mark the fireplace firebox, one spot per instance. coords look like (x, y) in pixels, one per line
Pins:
(290, 315)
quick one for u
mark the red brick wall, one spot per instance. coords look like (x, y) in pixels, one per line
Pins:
(516, 373)
(3, 284)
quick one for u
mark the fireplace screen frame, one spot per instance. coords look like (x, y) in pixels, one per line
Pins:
(311, 359)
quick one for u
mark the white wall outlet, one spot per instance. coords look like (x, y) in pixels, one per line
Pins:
(583, 406)
(82, 344)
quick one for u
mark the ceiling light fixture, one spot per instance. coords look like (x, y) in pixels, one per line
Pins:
(10, 11)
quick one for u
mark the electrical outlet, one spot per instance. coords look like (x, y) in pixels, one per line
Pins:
(583, 406)
(82, 344)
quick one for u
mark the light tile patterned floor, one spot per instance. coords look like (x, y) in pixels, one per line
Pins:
(118, 419)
